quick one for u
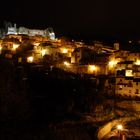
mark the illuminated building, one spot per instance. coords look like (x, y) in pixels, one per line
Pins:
(31, 32)
(9, 44)
(126, 73)
(12, 30)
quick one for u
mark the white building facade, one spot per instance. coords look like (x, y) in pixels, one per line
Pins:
(31, 32)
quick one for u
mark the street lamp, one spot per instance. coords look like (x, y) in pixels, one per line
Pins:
(30, 59)
(92, 68)
(120, 129)
(112, 64)
(66, 63)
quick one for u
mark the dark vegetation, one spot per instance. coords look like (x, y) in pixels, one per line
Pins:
(37, 101)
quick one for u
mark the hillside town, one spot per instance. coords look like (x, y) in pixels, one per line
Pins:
(100, 81)
(40, 47)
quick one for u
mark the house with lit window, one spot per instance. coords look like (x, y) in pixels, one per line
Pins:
(9, 45)
(46, 50)
(125, 78)
(127, 86)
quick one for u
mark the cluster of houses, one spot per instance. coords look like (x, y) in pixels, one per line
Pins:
(124, 66)
(119, 67)
(36, 48)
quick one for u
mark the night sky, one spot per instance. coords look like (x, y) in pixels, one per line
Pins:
(82, 18)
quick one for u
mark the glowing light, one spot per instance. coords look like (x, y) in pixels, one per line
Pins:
(0, 49)
(15, 46)
(30, 59)
(112, 63)
(19, 59)
(137, 62)
(128, 73)
(66, 63)
(92, 68)
(119, 127)
(43, 52)
(64, 50)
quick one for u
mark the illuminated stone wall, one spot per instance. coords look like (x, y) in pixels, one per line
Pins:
(31, 32)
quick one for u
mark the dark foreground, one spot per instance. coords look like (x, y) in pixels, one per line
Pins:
(38, 104)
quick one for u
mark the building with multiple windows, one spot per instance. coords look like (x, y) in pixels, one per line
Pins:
(125, 72)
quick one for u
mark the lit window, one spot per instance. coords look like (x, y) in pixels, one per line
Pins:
(128, 73)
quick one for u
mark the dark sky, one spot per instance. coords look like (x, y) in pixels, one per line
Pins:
(88, 18)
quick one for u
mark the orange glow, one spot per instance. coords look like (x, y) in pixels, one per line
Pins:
(137, 62)
(64, 50)
(30, 59)
(15, 46)
(128, 73)
(119, 127)
(112, 63)
(43, 52)
(66, 63)
(92, 68)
